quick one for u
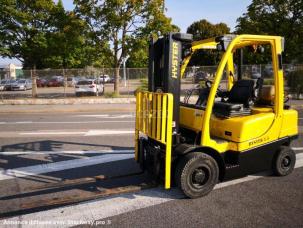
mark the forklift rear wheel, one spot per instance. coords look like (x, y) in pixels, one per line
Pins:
(196, 174)
(284, 162)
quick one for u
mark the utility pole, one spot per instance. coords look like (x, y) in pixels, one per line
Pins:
(34, 82)
(124, 69)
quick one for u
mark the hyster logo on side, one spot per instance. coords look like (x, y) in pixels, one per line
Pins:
(258, 141)
(175, 63)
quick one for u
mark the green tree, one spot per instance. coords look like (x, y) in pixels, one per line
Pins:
(123, 22)
(70, 42)
(281, 17)
(203, 30)
(65, 37)
(157, 24)
(23, 27)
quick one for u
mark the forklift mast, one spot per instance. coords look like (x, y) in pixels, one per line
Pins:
(164, 75)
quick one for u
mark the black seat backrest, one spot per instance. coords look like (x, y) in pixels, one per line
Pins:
(242, 92)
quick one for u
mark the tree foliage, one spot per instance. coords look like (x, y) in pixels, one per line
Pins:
(203, 29)
(126, 24)
(43, 34)
(23, 26)
(276, 17)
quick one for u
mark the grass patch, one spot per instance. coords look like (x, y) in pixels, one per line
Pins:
(143, 86)
(111, 95)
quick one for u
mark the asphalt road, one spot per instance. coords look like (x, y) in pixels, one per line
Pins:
(43, 149)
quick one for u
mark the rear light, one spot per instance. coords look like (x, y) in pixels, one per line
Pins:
(92, 86)
(77, 87)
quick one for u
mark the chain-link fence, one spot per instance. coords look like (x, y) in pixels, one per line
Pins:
(65, 83)
(293, 76)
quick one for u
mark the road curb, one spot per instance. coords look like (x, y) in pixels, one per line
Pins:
(67, 105)
(297, 107)
(68, 101)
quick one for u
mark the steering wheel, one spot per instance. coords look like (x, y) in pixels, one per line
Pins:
(208, 85)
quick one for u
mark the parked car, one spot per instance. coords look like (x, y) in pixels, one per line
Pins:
(112, 79)
(105, 78)
(2, 84)
(89, 86)
(268, 71)
(8, 84)
(71, 81)
(22, 84)
(255, 74)
(79, 78)
(56, 81)
(41, 82)
(289, 69)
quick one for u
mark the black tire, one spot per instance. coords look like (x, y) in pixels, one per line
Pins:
(196, 174)
(284, 162)
(78, 94)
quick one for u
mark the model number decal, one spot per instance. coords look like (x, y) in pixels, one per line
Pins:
(258, 141)
(198, 113)
(175, 63)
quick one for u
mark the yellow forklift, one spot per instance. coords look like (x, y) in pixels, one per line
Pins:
(227, 134)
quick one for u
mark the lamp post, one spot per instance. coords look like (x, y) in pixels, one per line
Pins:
(124, 69)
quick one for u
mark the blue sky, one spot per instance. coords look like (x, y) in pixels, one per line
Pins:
(183, 13)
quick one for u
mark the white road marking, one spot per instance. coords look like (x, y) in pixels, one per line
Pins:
(299, 156)
(67, 122)
(54, 133)
(113, 206)
(24, 122)
(101, 115)
(108, 116)
(109, 132)
(84, 133)
(13, 153)
(297, 148)
(62, 165)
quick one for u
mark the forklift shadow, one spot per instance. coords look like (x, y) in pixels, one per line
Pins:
(158, 194)
(13, 165)
(30, 187)
(50, 145)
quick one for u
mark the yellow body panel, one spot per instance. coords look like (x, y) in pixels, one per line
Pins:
(289, 123)
(241, 129)
(247, 131)
(256, 110)
(191, 118)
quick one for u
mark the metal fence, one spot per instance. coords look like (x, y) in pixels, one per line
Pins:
(62, 83)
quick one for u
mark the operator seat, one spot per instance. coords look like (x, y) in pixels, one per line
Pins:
(239, 99)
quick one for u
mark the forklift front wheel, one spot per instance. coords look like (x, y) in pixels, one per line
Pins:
(196, 174)
(284, 162)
